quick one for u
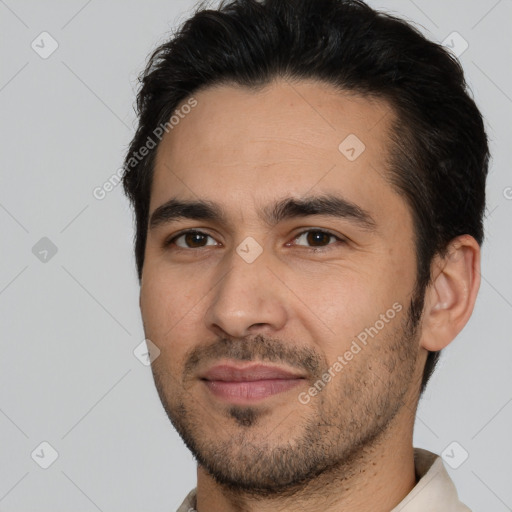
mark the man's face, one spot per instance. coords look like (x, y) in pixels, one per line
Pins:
(311, 294)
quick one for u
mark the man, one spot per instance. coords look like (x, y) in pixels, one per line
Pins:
(308, 179)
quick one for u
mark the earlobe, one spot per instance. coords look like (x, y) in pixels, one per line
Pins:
(450, 298)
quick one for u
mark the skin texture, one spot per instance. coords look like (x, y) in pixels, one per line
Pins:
(300, 304)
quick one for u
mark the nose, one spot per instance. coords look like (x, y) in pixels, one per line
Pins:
(248, 299)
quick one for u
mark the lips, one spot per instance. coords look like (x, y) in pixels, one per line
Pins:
(230, 373)
(245, 384)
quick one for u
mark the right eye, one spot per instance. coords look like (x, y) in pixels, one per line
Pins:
(190, 239)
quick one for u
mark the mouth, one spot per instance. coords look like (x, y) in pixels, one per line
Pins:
(245, 384)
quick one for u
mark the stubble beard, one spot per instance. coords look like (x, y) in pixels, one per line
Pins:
(246, 452)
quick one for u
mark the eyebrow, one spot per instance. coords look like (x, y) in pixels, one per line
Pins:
(284, 209)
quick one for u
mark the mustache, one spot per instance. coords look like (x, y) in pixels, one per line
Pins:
(259, 349)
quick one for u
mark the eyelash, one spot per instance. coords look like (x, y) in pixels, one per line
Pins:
(171, 241)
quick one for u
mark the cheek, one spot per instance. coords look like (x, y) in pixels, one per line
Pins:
(347, 301)
(169, 306)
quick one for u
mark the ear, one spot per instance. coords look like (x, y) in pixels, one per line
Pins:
(451, 296)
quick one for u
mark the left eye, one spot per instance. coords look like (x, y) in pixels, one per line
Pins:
(317, 238)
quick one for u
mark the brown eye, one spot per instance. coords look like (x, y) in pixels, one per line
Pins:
(190, 240)
(194, 239)
(317, 238)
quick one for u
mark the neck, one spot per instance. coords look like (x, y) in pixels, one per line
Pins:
(377, 478)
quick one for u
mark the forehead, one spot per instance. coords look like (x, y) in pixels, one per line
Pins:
(243, 146)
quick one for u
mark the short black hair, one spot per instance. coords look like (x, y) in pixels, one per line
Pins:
(439, 156)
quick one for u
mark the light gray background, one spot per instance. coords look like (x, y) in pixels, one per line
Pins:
(68, 375)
